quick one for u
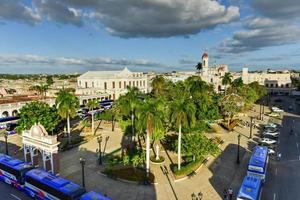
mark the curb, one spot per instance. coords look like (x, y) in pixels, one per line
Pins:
(195, 171)
(123, 180)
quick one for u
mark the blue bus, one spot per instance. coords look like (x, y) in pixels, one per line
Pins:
(250, 188)
(106, 104)
(42, 185)
(94, 196)
(258, 163)
(12, 171)
(6, 120)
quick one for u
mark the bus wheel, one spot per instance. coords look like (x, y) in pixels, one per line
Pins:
(32, 194)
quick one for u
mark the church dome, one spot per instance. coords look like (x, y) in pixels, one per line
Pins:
(205, 55)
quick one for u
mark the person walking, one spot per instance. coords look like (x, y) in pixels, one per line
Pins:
(225, 194)
(230, 193)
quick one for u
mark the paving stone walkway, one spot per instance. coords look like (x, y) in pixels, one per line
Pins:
(219, 173)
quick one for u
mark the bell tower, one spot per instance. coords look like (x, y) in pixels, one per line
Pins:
(205, 60)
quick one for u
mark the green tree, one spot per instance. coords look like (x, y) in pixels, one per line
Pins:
(226, 80)
(197, 145)
(49, 80)
(158, 85)
(231, 104)
(93, 104)
(182, 113)
(67, 105)
(128, 104)
(38, 112)
(150, 116)
(199, 66)
(40, 89)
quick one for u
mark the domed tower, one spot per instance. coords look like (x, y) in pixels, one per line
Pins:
(205, 60)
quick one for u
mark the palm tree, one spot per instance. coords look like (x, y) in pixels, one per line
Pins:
(150, 116)
(128, 104)
(182, 113)
(66, 104)
(226, 80)
(92, 104)
(158, 85)
(199, 66)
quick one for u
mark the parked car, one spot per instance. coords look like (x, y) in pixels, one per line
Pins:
(273, 114)
(11, 128)
(267, 141)
(271, 130)
(271, 151)
(270, 125)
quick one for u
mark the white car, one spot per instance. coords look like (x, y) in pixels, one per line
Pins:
(274, 134)
(275, 109)
(271, 151)
(267, 141)
(271, 125)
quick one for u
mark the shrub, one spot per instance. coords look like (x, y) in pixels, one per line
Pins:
(186, 168)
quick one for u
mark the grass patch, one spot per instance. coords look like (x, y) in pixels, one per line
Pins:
(129, 173)
(160, 159)
(187, 169)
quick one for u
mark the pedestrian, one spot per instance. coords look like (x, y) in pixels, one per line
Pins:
(230, 193)
(225, 194)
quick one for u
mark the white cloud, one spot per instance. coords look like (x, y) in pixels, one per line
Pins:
(127, 18)
(12, 10)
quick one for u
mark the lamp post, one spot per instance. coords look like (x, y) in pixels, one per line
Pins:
(99, 139)
(260, 111)
(263, 108)
(238, 151)
(82, 162)
(6, 144)
(251, 124)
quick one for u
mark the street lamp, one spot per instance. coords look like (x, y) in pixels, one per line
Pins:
(82, 162)
(260, 111)
(238, 151)
(251, 123)
(99, 139)
(6, 144)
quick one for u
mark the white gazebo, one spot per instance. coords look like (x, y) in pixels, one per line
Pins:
(37, 140)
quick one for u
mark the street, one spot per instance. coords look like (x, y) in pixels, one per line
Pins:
(283, 176)
(9, 193)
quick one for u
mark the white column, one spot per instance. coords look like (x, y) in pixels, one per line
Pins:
(25, 152)
(51, 160)
(44, 159)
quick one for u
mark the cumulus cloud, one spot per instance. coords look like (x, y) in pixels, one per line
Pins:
(278, 8)
(16, 11)
(57, 11)
(130, 18)
(261, 32)
(30, 60)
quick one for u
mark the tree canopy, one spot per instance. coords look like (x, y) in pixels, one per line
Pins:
(38, 112)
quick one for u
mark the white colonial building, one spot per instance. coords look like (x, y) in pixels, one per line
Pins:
(275, 81)
(110, 84)
(212, 74)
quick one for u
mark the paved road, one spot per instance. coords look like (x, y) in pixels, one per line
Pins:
(9, 193)
(283, 178)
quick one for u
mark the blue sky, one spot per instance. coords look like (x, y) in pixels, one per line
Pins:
(67, 36)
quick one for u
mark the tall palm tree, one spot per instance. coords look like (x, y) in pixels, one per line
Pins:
(67, 105)
(158, 85)
(182, 113)
(226, 80)
(92, 104)
(150, 116)
(199, 66)
(128, 104)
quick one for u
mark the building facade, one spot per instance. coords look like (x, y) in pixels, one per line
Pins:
(276, 82)
(111, 84)
(213, 74)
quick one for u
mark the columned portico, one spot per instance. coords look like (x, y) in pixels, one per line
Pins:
(37, 140)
